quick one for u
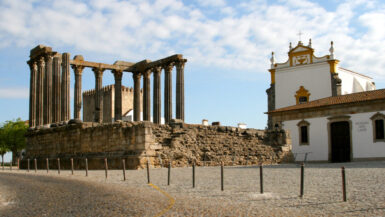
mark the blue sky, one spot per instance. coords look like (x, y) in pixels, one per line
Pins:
(227, 44)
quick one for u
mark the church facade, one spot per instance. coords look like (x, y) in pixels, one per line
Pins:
(333, 114)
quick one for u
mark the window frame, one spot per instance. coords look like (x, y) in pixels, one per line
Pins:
(301, 124)
(374, 118)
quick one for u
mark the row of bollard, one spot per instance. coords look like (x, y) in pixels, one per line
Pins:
(302, 176)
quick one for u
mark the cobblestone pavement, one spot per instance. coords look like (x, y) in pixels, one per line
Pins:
(30, 194)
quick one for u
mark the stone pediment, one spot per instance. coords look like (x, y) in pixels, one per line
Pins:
(300, 48)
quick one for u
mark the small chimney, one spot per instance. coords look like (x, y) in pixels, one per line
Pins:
(242, 125)
(205, 122)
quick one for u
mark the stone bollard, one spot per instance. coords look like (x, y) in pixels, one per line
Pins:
(169, 173)
(343, 184)
(193, 175)
(72, 166)
(106, 167)
(222, 174)
(18, 163)
(58, 166)
(302, 180)
(148, 173)
(261, 178)
(35, 161)
(86, 167)
(124, 169)
(28, 164)
(47, 164)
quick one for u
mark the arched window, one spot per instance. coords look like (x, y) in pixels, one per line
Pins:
(302, 95)
(303, 129)
(378, 120)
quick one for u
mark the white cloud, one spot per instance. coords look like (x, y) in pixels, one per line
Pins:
(14, 93)
(239, 37)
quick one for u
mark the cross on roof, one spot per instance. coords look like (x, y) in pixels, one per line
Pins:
(299, 35)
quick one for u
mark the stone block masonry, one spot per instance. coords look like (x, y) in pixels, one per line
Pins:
(138, 142)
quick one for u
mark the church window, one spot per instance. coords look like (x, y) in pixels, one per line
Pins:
(379, 124)
(378, 127)
(302, 95)
(302, 99)
(303, 128)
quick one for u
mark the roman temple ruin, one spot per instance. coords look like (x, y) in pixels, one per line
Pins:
(54, 134)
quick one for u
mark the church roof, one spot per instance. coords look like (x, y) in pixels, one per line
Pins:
(336, 100)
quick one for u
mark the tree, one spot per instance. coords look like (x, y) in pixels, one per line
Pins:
(14, 136)
(3, 146)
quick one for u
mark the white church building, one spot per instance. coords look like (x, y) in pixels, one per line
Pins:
(333, 114)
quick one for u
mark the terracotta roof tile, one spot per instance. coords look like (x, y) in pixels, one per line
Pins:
(335, 100)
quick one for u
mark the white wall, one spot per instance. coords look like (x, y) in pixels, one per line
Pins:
(347, 78)
(362, 130)
(318, 139)
(314, 77)
(362, 138)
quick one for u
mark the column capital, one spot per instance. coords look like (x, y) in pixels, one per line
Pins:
(168, 67)
(33, 65)
(180, 64)
(77, 69)
(136, 75)
(48, 56)
(117, 74)
(41, 61)
(98, 71)
(147, 73)
(157, 69)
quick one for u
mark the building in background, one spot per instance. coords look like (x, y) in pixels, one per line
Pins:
(333, 114)
(109, 104)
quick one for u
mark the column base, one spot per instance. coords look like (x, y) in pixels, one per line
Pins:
(75, 121)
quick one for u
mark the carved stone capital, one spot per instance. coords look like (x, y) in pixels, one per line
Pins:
(33, 66)
(48, 57)
(157, 69)
(98, 71)
(136, 75)
(117, 74)
(168, 67)
(147, 73)
(180, 64)
(41, 62)
(77, 69)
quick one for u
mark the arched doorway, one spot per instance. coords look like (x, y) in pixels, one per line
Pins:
(340, 141)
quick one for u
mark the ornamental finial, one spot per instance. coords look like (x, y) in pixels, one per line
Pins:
(290, 47)
(309, 42)
(272, 60)
(331, 50)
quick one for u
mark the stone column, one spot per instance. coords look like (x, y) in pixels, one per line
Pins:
(40, 83)
(168, 92)
(146, 95)
(48, 89)
(157, 105)
(78, 91)
(56, 87)
(180, 89)
(98, 94)
(136, 76)
(32, 94)
(118, 94)
(65, 91)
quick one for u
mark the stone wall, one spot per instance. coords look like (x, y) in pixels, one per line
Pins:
(210, 145)
(138, 142)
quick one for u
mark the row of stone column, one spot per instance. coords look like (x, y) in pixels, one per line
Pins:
(146, 74)
(49, 89)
